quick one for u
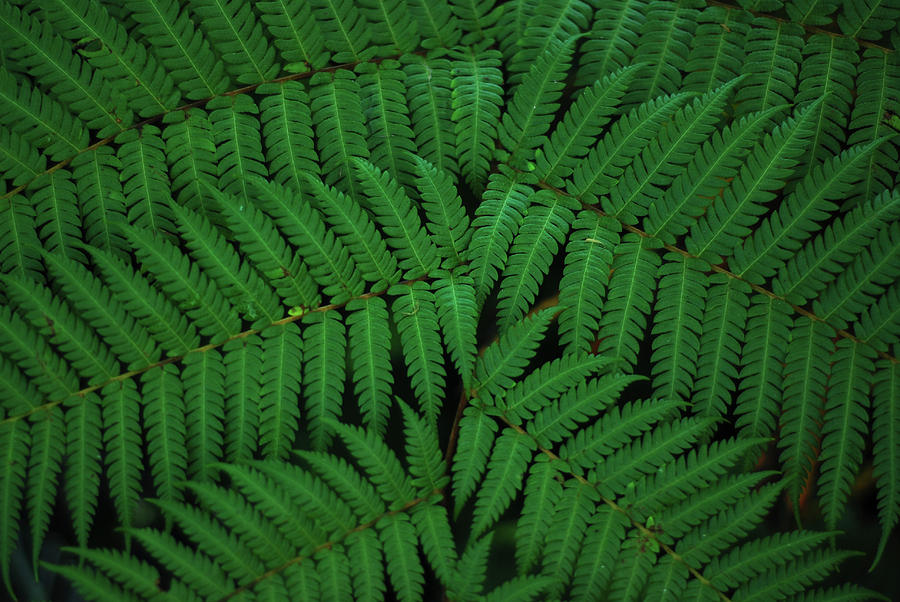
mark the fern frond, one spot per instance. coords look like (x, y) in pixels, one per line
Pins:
(19, 160)
(279, 389)
(805, 381)
(844, 425)
(204, 396)
(379, 462)
(476, 437)
(14, 446)
(663, 45)
(333, 571)
(877, 84)
(476, 98)
(722, 345)
(47, 449)
(437, 24)
(677, 325)
(403, 567)
(56, 214)
(828, 70)
(20, 395)
(352, 224)
(543, 231)
(728, 525)
(236, 279)
(262, 243)
(645, 179)
(472, 568)
(217, 540)
(391, 24)
(631, 286)
(390, 139)
(541, 388)
(729, 218)
(447, 222)
(345, 30)
(773, 56)
(504, 361)
(647, 454)
(142, 579)
(33, 48)
(339, 125)
(811, 12)
(567, 531)
(181, 47)
(717, 48)
(520, 589)
(874, 269)
(324, 341)
(879, 325)
(39, 119)
(507, 465)
(290, 497)
(369, 343)
(794, 578)
(164, 418)
(777, 238)
(185, 285)
(596, 560)
(368, 564)
(612, 154)
(346, 482)
(295, 33)
(555, 421)
(190, 156)
(46, 453)
(243, 367)
(886, 463)
(144, 182)
(631, 571)
(542, 493)
(81, 480)
(428, 85)
(236, 510)
(548, 25)
(101, 199)
(128, 340)
(122, 446)
(394, 212)
(287, 130)
(498, 218)
(589, 257)
(237, 37)
(806, 274)
(19, 244)
(433, 528)
(239, 154)
(868, 19)
(54, 319)
(457, 313)
(416, 317)
(91, 584)
(123, 61)
(535, 100)
(583, 122)
(612, 39)
(614, 429)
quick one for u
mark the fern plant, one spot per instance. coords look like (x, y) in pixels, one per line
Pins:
(501, 300)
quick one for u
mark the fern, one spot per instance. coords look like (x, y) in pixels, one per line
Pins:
(496, 300)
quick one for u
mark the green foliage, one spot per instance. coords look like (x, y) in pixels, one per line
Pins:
(498, 300)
